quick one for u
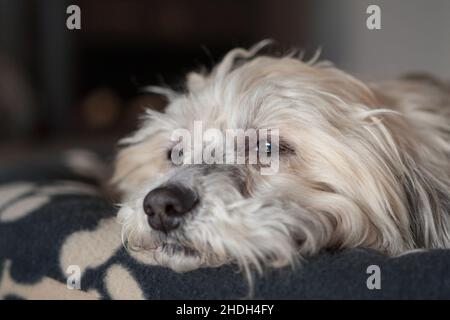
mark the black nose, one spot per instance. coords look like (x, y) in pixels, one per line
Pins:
(166, 206)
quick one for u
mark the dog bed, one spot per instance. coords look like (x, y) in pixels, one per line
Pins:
(58, 233)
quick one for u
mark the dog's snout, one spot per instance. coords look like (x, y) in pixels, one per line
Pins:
(166, 206)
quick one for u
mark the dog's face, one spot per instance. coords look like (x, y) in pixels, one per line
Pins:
(333, 179)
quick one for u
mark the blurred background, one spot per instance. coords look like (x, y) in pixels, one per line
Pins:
(63, 88)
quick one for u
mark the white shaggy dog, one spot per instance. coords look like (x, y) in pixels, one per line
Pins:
(359, 165)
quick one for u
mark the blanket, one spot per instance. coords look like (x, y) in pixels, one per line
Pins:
(59, 239)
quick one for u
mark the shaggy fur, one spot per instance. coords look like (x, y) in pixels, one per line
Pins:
(368, 166)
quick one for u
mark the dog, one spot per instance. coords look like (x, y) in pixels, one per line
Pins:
(359, 165)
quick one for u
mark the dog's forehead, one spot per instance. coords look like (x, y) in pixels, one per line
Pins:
(256, 109)
(266, 93)
(269, 93)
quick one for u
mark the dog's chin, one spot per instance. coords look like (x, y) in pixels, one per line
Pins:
(176, 249)
(177, 257)
(170, 254)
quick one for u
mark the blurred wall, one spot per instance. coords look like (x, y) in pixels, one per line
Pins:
(414, 36)
(56, 82)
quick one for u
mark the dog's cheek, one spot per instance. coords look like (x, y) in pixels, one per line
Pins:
(136, 165)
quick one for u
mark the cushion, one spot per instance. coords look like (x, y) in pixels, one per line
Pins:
(58, 233)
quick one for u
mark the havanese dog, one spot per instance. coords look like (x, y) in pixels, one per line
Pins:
(265, 160)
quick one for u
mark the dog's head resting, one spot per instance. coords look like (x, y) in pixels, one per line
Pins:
(351, 171)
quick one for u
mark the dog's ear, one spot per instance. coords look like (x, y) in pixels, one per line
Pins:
(195, 81)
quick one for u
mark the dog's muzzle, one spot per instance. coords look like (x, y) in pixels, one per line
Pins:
(167, 206)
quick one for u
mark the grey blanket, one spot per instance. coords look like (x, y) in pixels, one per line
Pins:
(58, 234)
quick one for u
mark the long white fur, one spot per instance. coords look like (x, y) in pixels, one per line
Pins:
(371, 165)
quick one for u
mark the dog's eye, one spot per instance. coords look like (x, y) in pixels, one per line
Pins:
(283, 148)
(170, 151)
(268, 148)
